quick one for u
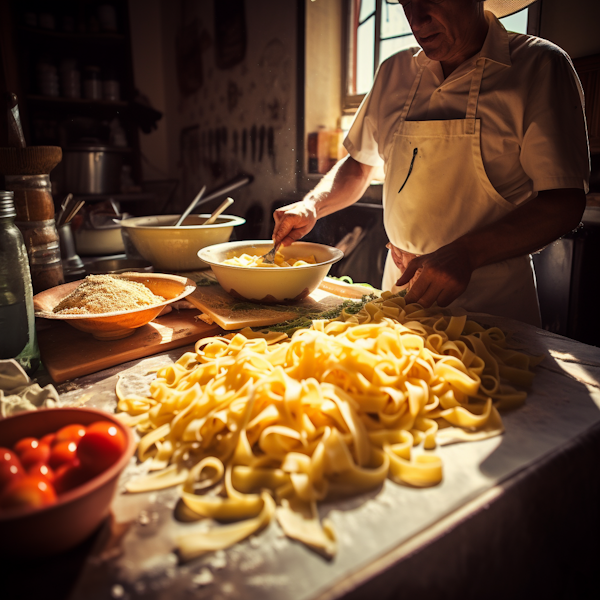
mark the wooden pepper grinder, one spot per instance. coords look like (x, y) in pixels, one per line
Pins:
(26, 172)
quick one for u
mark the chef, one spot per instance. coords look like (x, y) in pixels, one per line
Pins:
(481, 135)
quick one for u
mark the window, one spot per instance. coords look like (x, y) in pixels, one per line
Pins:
(377, 29)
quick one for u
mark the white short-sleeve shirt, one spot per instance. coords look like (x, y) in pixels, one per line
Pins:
(533, 129)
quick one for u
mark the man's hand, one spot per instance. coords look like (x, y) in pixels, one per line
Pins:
(442, 276)
(344, 185)
(528, 228)
(294, 221)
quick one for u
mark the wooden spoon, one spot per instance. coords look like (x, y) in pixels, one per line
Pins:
(213, 217)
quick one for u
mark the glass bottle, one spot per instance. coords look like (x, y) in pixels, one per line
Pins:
(17, 320)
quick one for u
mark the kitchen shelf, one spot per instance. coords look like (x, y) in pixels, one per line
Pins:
(89, 37)
(76, 102)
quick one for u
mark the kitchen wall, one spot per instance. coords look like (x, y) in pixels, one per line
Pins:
(231, 99)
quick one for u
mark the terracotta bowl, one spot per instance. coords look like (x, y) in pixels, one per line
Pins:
(120, 324)
(78, 512)
(171, 248)
(282, 285)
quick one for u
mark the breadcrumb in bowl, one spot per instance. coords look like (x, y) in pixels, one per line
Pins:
(118, 324)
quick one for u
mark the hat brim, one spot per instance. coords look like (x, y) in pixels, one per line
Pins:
(505, 8)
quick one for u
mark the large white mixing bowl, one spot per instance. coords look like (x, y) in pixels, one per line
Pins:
(270, 285)
(171, 248)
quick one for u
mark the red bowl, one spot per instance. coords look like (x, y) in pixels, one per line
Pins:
(77, 513)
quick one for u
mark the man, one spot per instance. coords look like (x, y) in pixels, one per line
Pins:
(482, 138)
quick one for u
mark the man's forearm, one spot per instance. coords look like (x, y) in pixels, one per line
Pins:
(527, 229)
(342, 186)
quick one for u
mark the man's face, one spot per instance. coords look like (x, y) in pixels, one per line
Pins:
(443, 28)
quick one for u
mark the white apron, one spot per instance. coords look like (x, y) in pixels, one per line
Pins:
(436, 190)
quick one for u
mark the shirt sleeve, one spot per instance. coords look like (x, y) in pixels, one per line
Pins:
(555, 150)
(362, 140)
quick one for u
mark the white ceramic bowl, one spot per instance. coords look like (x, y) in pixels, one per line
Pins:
(282, 285)
(119, 324)
(171, 248)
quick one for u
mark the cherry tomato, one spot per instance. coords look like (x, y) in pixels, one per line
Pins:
(70, 476)
(24, 444)
(39, 453)
(70, 433)
(10, 467)
(28, 491)
(62, 453)
(41, 470)
(48, 439)
(101, 446)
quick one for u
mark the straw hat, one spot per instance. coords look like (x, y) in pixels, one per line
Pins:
(503, 8)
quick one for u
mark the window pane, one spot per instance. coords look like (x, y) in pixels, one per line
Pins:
(516, 22)
(393, 21)
(365, 56)
(393, 24)
(366, 8)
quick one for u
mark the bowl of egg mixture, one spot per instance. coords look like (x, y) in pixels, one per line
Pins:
(298, 269)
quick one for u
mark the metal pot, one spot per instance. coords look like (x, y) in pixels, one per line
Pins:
(93, 169)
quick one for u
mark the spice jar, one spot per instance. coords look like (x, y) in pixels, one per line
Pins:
(92, 84)
(17, 319)
(27, 173)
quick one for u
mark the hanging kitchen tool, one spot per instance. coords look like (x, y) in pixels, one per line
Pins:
(223, 206)
(253, 134)
(261, 142)
(271, 147)
(191, 207)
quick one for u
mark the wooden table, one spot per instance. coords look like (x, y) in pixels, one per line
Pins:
(516, 516)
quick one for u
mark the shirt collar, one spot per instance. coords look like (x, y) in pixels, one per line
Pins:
(495, 47)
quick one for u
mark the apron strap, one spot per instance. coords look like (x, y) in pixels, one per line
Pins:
(474, 96)
(471, 105)
(411, 96)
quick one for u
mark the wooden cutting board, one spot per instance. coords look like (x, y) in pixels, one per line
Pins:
(230, 313)
(68, 353)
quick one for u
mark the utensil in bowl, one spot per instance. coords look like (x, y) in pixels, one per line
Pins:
(213, 217)
(174, 249)
(269, 257)
(191, 207)
(119, 324)
(26, 532)
(281, 285)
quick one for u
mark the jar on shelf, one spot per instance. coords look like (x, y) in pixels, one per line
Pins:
(17, 319)
(107, 18)
(47, 77)
(46, 20)
(92, 84)
(70, 78)
(110, 86)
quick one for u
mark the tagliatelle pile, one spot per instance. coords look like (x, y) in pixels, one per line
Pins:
(251, 260)
(255, 426)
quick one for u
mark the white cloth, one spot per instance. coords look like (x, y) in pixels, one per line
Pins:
(18, 393)
(533, 131)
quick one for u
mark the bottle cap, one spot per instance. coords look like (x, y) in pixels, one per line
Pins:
(7, 204)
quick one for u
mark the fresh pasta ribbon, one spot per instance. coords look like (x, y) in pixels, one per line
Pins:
(256, 260)
(254, 425)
